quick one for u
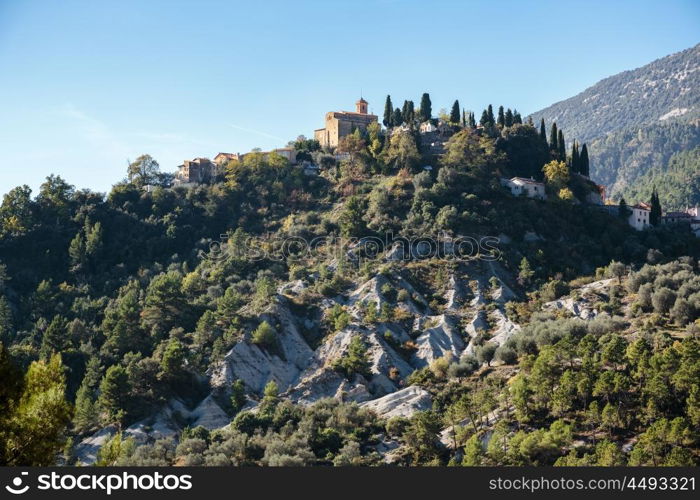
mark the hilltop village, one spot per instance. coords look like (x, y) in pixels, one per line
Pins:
(343, 130)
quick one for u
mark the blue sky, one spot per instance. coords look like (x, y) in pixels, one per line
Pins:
(86, 85)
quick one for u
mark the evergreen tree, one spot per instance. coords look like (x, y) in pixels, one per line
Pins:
(655, 212)
(388, 112)
(411, 112)
(426, 108)
(575, 160)
(85, 416)
(404, 112)
(464, 119)
(561, 149)
(543, 132)
(454, 115)
(55, 338)
(501, 121)
(472, 120)
(114, 390)
(509, 118)
(583, 161)
(484, 121)
(517, 119)
(7, 328)
(554, 140)
(492, 121)
(36, 431)
(397, 118)
(622, 211)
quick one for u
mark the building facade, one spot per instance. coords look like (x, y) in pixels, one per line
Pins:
(197, 171)
(342, 123)
(520, 186)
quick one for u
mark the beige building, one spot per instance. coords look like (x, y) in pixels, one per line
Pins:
(197, 171)
(342, 123)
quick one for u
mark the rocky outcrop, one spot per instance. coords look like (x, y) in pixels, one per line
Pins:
(402, 403)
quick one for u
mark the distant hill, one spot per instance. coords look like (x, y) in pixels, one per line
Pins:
(636, 120)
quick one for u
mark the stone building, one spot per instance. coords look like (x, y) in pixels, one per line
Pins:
(342, 123)
(197, 171)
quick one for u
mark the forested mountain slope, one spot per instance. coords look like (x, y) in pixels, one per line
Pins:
(634, 121)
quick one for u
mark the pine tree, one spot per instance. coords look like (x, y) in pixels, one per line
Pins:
(426, 108)
(543, 132)
(114, 390)
(583, 161)
(501, 121)
(509, 118)
(655, 212)
(388, 111)
(553, 140)
(55, 337)
(85, 415)
(454, 115)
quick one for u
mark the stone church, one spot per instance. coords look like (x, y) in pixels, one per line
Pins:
(342, 123)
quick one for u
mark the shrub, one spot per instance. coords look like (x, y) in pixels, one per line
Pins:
(264, 334)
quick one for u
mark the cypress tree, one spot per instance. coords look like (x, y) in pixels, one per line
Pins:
(622, 210)
(583, 161)
(484, 122)
(411, 112)
(553, 139)
(388, 110)
(404, 112)
(454, 115)
(464, 119)
(492, 121)
(509, 118)
(543, 132)
(501, 117)
(426, 107)
(562, 145)
(575, 162)
(472, 120)
(655, 212)
(397, 119)
(517, 119)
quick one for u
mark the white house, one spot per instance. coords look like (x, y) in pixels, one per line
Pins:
(427, 127)
(520, 186)
(639, 218)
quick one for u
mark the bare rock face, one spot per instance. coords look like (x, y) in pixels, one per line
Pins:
(440, 337)
(256, 366)
(583, 305)
(402, 403)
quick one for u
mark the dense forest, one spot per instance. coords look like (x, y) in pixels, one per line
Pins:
(113, 307)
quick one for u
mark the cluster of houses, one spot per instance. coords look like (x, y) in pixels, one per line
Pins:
(339, 124)
(204, 170)
(639, 214)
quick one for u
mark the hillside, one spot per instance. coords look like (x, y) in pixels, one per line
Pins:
(664, 90)
(370, 312)
(634, 120)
